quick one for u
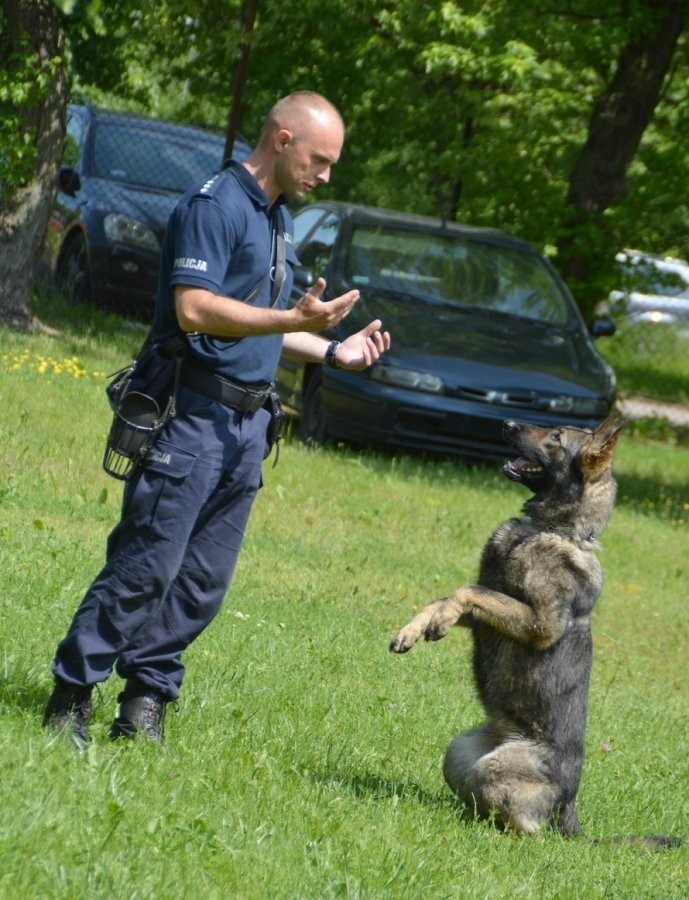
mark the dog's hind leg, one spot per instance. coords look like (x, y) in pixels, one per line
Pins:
(567, 820)
(510, 778)
(461, 760)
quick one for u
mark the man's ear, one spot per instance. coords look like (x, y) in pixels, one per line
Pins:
(283, 137)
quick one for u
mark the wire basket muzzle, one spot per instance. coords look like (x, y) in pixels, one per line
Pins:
(134, 426)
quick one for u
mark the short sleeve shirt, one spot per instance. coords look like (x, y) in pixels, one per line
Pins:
(221, 237)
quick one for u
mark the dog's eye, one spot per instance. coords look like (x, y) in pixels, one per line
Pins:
(555, 436)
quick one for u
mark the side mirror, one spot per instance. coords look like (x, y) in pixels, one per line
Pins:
(600, 327)
(303, 278)
(69, 181)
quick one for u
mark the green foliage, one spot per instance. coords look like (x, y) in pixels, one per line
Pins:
(160, 59)
(650, 359)
(304, 759)
(25, 79)
(473, 111)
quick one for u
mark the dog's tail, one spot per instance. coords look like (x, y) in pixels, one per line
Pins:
(651, 842)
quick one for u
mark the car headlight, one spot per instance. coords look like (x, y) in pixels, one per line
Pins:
(124, 230)
(408, 378)
(581, 406)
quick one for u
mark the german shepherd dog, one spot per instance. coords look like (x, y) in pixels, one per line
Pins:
(530, 619)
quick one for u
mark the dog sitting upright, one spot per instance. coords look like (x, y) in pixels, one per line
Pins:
(530, 617)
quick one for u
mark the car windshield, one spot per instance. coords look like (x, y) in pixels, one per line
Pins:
(451, 269)
(154, 159)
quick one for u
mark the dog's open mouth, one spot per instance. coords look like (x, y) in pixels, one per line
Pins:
(523, 469)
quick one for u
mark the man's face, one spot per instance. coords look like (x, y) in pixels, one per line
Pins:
(307, 156)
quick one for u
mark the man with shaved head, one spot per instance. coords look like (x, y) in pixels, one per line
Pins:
(225, 281)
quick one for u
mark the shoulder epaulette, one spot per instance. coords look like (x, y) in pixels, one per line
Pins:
(209, 188)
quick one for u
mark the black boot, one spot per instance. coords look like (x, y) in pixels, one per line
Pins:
(141, 710)
(69, 709)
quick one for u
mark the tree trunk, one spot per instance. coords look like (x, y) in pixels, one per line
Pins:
(620, 117)
(33, 30)
(236, 111)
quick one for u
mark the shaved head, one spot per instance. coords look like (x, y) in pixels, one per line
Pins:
(298, 112)
(301, 140)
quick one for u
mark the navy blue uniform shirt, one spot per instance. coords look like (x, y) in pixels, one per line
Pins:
(220, 237)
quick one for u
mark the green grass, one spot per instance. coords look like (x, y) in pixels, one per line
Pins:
(304, 760)
(650, 360)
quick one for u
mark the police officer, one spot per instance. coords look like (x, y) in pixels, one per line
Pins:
(226, 274)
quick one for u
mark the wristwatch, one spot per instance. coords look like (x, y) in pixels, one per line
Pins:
(329, 358)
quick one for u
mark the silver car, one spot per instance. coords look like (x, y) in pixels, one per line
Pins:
(653, 288)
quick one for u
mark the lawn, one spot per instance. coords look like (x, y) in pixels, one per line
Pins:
(650, 359)
(303, 760)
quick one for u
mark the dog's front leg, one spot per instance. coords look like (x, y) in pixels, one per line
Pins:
(433, 622)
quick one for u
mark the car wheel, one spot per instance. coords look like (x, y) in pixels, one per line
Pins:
(312, 417)
(72, 275)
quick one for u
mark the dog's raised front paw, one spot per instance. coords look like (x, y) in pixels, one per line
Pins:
(436, 631)
(419, 625)
(404, 641)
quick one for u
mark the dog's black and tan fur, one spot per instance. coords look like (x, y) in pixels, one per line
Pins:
(530, 618)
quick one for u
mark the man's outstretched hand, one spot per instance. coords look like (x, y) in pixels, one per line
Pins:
(314, 314)
(362, 349)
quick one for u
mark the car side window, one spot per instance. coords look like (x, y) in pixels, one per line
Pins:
(304, 222)
(73, 139)
(315, 252)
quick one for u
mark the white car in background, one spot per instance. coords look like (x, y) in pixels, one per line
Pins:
(653, 288)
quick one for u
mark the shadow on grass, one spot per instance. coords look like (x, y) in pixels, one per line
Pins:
(647, 378)
(379, 461)
(376, 787)
(26, 694)
(667, 499)
(80, 320)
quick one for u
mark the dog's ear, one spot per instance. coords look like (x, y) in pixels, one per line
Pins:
(598, 452)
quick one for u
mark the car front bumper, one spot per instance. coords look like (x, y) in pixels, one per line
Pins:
(124, 275)
(392, 417)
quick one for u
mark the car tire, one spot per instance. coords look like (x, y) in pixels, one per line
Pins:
(73, 276)
(312, 428)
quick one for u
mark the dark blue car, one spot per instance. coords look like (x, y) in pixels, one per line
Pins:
(483, 329)
(119, 180)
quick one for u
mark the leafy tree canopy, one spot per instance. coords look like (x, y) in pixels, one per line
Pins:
(474, 110)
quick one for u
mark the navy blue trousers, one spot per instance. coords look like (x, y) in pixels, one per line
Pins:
(171, 558)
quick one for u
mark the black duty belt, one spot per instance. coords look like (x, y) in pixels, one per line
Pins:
(243, 399)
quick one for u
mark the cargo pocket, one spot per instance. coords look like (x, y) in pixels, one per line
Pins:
(166, 499)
